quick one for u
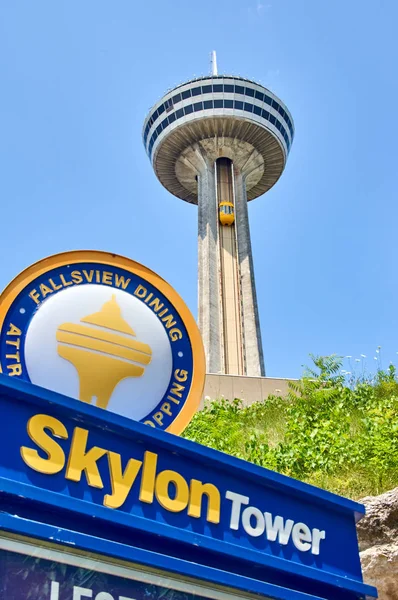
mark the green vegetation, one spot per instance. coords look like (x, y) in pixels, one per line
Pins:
(337, 433)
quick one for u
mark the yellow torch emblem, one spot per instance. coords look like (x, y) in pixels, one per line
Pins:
(103, 351)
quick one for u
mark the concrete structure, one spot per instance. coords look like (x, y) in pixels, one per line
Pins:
(218, 142)
(247, 389)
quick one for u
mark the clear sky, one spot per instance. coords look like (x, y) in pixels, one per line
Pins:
(77, 79)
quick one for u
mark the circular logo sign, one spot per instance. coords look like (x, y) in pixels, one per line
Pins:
(107, 331)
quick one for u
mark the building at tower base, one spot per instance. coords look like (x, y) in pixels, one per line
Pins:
(246, 389)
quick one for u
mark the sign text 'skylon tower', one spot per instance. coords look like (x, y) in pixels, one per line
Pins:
(218, 142)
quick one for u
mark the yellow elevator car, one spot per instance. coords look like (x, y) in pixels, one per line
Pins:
(226, 213)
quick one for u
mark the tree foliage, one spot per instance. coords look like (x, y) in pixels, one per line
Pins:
(338, 434)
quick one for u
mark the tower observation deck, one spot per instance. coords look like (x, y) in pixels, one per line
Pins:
(218, 142)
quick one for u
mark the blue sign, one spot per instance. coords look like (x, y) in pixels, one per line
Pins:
(24, 577)
(105, 476)
(107, 331)
(43, 572)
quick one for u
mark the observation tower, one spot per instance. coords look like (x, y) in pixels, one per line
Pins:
(218, 142)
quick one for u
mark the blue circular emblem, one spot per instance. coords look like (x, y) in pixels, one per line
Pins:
(107, 331)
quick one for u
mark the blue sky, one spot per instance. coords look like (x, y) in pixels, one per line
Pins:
(77, 79)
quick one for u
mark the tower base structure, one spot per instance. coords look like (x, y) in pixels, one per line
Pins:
(246, 389)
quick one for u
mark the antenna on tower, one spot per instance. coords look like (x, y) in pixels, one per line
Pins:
(214, 70)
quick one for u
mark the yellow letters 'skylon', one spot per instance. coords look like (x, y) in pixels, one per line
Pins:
(80, 459)
(197, 489)
(55, 461)
(121, 482)
(181, 499)
(148, 477)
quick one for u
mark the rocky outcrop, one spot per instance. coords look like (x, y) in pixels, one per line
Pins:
(378, 543)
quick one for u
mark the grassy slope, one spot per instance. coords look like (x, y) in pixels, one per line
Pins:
(339, 435)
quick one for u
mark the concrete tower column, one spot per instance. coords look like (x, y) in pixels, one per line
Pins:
(251, 322)
(208, 264)
(227, 303)
(230, 288)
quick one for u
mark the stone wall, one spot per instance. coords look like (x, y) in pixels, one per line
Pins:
(378, 542)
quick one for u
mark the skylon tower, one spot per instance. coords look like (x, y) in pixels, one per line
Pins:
(218, 142)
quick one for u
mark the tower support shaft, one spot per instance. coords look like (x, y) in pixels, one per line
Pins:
(254, 358)
(228, 313)
(209, 311)
(230, 285)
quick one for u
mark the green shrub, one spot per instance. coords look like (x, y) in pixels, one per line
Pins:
(329, 431)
